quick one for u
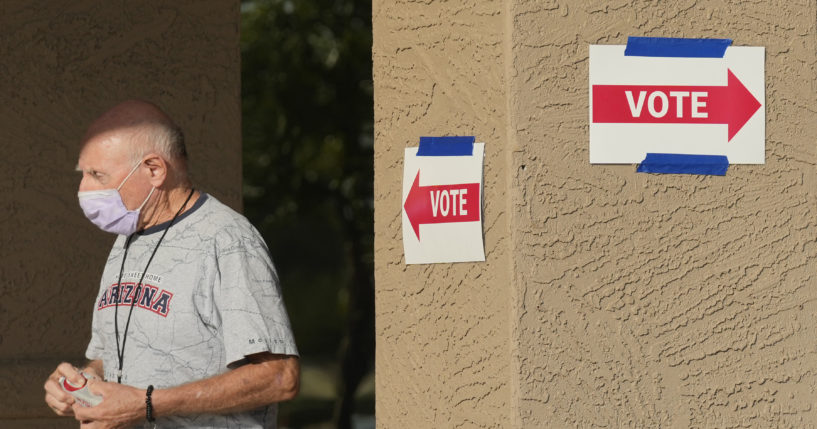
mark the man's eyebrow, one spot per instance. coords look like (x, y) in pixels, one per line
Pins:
(91, 171)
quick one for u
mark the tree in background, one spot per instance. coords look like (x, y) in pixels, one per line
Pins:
(308, 174)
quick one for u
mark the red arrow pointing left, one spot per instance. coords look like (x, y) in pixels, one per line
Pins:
(732, 104)
(441, 204)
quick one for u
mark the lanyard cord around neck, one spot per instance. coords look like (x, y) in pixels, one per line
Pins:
(120, 354)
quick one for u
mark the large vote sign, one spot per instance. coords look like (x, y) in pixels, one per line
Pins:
(442, 201)
(676, 101)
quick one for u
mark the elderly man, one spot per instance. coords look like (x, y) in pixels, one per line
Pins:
(189, 328)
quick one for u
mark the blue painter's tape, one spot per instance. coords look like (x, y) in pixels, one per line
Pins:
(674, 47)
(670, 163)
(446, 146)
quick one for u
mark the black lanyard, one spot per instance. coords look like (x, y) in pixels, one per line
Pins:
(120, 354)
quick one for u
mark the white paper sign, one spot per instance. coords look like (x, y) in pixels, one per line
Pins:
(442, 207)
(700, 106)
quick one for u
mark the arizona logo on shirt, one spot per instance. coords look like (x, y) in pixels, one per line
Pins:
(147, 297)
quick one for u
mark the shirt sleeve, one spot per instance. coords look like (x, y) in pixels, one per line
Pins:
(249, 301)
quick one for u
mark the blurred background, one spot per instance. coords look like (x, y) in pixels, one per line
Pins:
(307, 112)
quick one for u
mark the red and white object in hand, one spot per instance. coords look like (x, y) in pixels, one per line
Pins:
(81, 393)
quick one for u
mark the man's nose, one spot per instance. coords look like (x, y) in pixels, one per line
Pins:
(88, 184)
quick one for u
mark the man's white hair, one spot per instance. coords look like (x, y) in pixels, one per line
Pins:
(145, 129)
(166, 140)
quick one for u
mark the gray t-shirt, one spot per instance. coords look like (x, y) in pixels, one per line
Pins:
(210, 298)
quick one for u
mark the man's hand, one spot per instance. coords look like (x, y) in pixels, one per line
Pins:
(56, 398)
(59, 400)
(265, 378)
(121, 407)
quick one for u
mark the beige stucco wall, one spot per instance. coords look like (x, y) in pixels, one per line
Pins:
(609, 298)
(655, 300)
(443, 331)
(62, 64)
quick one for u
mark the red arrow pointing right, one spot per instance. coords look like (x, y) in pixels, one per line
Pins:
(732, 104)
(441, 204)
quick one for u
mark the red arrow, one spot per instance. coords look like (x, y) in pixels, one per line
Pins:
(732, 104)
(441, 204)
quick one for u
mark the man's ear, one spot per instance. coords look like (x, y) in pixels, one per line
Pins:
(157, 168)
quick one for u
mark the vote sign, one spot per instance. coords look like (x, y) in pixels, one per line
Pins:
(442, 207)
(702, 106)
(441, 204)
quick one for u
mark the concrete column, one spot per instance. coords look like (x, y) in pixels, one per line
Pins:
(443, 331)
(609, 298)
(64, 63)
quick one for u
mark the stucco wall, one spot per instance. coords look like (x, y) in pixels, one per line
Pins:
(443, 331)
(633, 300)
(64, 63)
(663, 300)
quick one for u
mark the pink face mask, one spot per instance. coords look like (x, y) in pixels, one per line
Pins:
(106, 210)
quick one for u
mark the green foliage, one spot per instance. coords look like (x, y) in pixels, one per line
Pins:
(308, 154)
(307, 131)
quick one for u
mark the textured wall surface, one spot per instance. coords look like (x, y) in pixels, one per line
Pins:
(443, 355)
(64, 63)
(662, 300)
(632, 300)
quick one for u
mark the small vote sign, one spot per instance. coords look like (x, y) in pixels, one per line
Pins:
(441, 204)
(442, 207)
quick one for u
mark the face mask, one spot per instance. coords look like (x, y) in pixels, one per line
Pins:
(106, 210)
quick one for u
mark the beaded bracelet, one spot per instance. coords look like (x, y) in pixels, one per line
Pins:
(149, 405)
